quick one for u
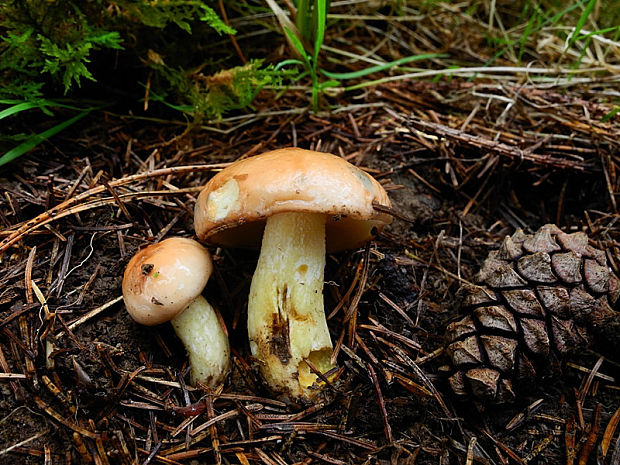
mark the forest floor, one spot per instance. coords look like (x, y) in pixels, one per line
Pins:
(465, 162)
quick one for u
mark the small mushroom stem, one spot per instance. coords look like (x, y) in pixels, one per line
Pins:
(205, 341)
(286, 318)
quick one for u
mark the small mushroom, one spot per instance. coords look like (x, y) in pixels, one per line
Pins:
(163, 282)
(302, 203)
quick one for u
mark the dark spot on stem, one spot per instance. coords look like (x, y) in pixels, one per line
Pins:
(280, 339)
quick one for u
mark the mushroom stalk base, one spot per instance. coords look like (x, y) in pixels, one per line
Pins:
(205, 341)
(286, 319)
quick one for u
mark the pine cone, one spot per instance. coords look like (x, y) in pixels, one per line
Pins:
(540, 297)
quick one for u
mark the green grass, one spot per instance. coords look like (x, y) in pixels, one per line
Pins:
(15, 107)
(370, 44)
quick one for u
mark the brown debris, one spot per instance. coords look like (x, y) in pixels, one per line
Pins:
(463, 172)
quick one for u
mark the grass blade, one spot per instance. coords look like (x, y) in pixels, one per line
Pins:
(297, 44)
(377, 68)
(320, 27)
(580, 23)
(23, 106)
(35, 140)
(611, 114)
(290, 61)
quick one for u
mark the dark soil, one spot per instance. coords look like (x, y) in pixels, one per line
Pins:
(124, 383)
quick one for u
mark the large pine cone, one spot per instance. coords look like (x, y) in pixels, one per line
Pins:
(540, 296)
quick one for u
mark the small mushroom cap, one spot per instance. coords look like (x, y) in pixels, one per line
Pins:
(232, 208)
(162, 279)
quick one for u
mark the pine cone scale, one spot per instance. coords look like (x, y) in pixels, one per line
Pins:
(536, 268)
(537, 294)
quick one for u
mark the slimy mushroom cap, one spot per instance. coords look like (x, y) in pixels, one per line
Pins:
(232, 208)
(162, 279)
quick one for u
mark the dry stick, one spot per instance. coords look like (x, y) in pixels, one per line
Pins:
(224, 416)
(411, 386)
(52, 213)
(47, 453)
(608, 184)
(28, 275)
(350, 316)
(101, 451)
(356, 442)
(325, 458)
(490, 145)
(441, 269)
(512, 454)
(60, 419)
(25, 441)
(586, 386)
(422, 180)
(345, 297)
(215, 440)
(321, 375)
(422, 376)
(368, 352)
(5, 367)
(386, 423)
(17, 313)
(92, 313)
(609, 433)
(52, 262)
(232, 37)
(55, 390)
(392, 212)
(592, 436)
(77, 182)
(81, 448)
(26, 344)
(12, 376)
(152, 453)
(120, 203)
(569, 440)
(13, 337)
(470, 450)
(587, 370)
(88, 284)
(400, 311)
(520, 417)
(541, 446)
(64, 267)
(45, 219)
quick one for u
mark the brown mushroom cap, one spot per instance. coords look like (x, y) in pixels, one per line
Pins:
(162, 279)
(232, 208)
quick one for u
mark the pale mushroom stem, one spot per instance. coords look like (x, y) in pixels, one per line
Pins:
(206, 343)
(286, 319)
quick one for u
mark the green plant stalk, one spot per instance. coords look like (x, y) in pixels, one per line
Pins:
(36, 139)
(303, 19)
(581, 22)
(383, 67)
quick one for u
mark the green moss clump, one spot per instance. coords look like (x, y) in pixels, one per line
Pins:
(50, 47)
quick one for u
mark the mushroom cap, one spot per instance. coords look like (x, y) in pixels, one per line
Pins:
(233, 206)
(162, 279)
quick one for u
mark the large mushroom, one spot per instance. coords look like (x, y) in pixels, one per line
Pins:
(301, 203)
(163, 282)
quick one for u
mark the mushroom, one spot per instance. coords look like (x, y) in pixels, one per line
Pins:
(303, 203)
(163, 282)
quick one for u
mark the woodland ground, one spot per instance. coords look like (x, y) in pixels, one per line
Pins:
(465, 162)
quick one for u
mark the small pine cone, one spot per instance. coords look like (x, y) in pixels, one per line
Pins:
(540, 297)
